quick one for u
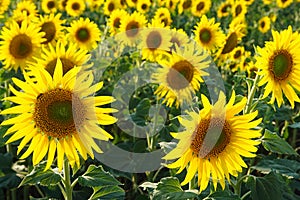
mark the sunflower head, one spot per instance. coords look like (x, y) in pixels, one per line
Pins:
(264, 24)
(200, 7)
(75, 7)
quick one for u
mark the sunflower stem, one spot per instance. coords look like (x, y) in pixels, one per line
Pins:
(251, 94)
(67, 180)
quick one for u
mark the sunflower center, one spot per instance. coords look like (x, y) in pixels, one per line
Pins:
(50, 5)
(165, 21)
(231, 43)
(58, 112)
(50, 30)
(83, 35)
(205, 35)
(66, 64)
(237, 54)
(200, 6)
(26, 11)
(238, 10)
(21, 46)
(262, 24)
(132, 29)
(180, 75)
(117, 23)
(226, 8)
(154, 40)
(280, 64)
(186, 4)
(144, 6)
(75, 6)
(208, 141)
(111, 7)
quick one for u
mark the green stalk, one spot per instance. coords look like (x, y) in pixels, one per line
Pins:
(67, 180)
(251, 94)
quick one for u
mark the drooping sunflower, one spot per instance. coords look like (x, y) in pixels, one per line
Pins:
(85, 33)
(180, 74)
(130, 28)
(279, 63)
(208, 34)
(110, 6)
(200, 7)
(214, 142)
(69, 54)
(239, 8)
(143, 6)
(283, 3)
(114, 20)
(58, 115)
(75, 8)
(26, 7)
(264, 24)
(51, 25)
(20, 44)
(49, 6)
(224, 9)
(164, 15)
(4, 6)
(184, 5)
(155, 40)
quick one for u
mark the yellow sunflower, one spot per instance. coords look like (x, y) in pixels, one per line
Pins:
(143, 6)
(49, 6)
(58, 115)
(279, 62)
(214, 141)
(19, 44)
(62, 4)
(75, 8)
(130, 28)
(164, 15)
(51, 25)
(155, 40)
(239, 8)
(178, 38)
(94, 4)
(249, 2)
(283, 3)
(132, 3)
(184, 5)
(4, 6)
(85, 33)
(180, 74)
(264, 24)
(208, 34)
(26, 7)
(114, 20)
(224, 9)
(267, 2)
(200, 7)
(171, 4)
(110, 6)
(70, 56)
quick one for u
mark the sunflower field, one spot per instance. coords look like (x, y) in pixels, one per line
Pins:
(150, 99)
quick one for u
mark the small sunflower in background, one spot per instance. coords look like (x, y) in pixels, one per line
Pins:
(180, 74)
(114, 20)
(51, 25)
(155, 40)
(130, 28)
(110, 6)
(214, 142)
(20, 44)
(283, 3)
(184, 5)
(132, 3)
(26, 7)
(200, 7)
(85, 33)
(279, 62)
(208, 34)
(4, 6)
(237, 58)
(224, 9)
(94, 4)
(171, 4)
(58, 115)
(164, 15)
(75, 8)
(249, 2)
(69, 54)
(264, 24)
(143, 6)
(49, 6)
(62, 5)
(239, 9)
(178, 38)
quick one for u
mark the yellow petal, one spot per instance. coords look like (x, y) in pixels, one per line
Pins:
(41, 150)
(36, 139)
(191, 171)
(51, 153)
(58, 73)
(26, 139)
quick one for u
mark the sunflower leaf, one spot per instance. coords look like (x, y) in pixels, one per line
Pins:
(222, 195)
(272, 142)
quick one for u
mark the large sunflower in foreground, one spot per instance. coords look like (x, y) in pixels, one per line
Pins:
(58, 115)
(19, 44)
(180, 74)
(279, 62)
(214, 141)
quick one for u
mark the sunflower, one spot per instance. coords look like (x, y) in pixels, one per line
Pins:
(239, 8)
(238, 57)
(184, 5)
(70, 56)
(75, 7)
(155, 40)
(264, 24)
(59, 115)
(4, 6)
(178, 38)
(248, 2)
(62, 4)
(94, 4)
(200, 7)
(19, 44)
(279, 62)
(208, 34)
(180, 74)
(214, 140)
(171, 4)
(283, 3)
(224, 9)
(143, 6)
(49, 6)
(267, 2)
(130, 28)
(110, 6)
(164, 15)
(51, 25)
(26, 7)
(85, 33)
(114, 20)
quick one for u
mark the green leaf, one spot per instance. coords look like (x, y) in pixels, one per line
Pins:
(108, 192)
(267, 187)
(39, 176)
(272, 142)
(6, 162)
(285, 167)
(10, 180)
(295, 125)
(3, 130)
(222, 195)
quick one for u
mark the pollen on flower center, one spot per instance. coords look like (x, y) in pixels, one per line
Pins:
(208, 141)
(83, 35)
(205, 35)
(200, 6)
(58, 112)
(21, 46)
(280, 64)
(180, 75)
